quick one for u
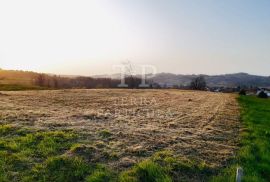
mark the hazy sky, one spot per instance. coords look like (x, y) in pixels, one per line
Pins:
(178, 36)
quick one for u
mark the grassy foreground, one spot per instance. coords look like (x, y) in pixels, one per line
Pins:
(44, 156)
(57, 156)
(27, 155)
(254, 153)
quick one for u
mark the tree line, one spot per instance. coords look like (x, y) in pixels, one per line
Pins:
(59, 82)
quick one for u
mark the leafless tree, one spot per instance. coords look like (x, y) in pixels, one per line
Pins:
(40, 80)
(55, 82)
(198, 83)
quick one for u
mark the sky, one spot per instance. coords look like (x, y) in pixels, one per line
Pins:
(89, 37)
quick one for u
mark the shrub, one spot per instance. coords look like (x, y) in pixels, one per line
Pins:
(263, 95)
(242, 92)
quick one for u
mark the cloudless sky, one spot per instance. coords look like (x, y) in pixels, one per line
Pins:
(178, 36)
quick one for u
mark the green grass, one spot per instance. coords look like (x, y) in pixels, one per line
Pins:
(61, 168)
(40, 156)
(254, 153)
(165, 167)
(27, 155)
(105, 133)
(101, 174)
(21, 150)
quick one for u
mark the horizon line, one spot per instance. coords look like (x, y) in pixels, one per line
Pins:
(106, 74)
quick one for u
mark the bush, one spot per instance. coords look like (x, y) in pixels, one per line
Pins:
(242, 92)
(263, 95)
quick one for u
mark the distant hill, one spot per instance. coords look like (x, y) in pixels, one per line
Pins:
(17, 80)
(227, 80)
(17, 77)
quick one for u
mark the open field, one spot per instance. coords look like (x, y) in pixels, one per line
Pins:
(120, 128)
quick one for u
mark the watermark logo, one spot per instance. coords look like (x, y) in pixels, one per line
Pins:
(127, 72)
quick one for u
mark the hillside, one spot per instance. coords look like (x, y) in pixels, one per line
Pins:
(17, 77)
(227, 80)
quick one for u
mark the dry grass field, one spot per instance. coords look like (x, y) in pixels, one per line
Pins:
(123, 127)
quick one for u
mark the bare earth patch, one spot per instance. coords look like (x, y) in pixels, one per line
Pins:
(122, 127)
